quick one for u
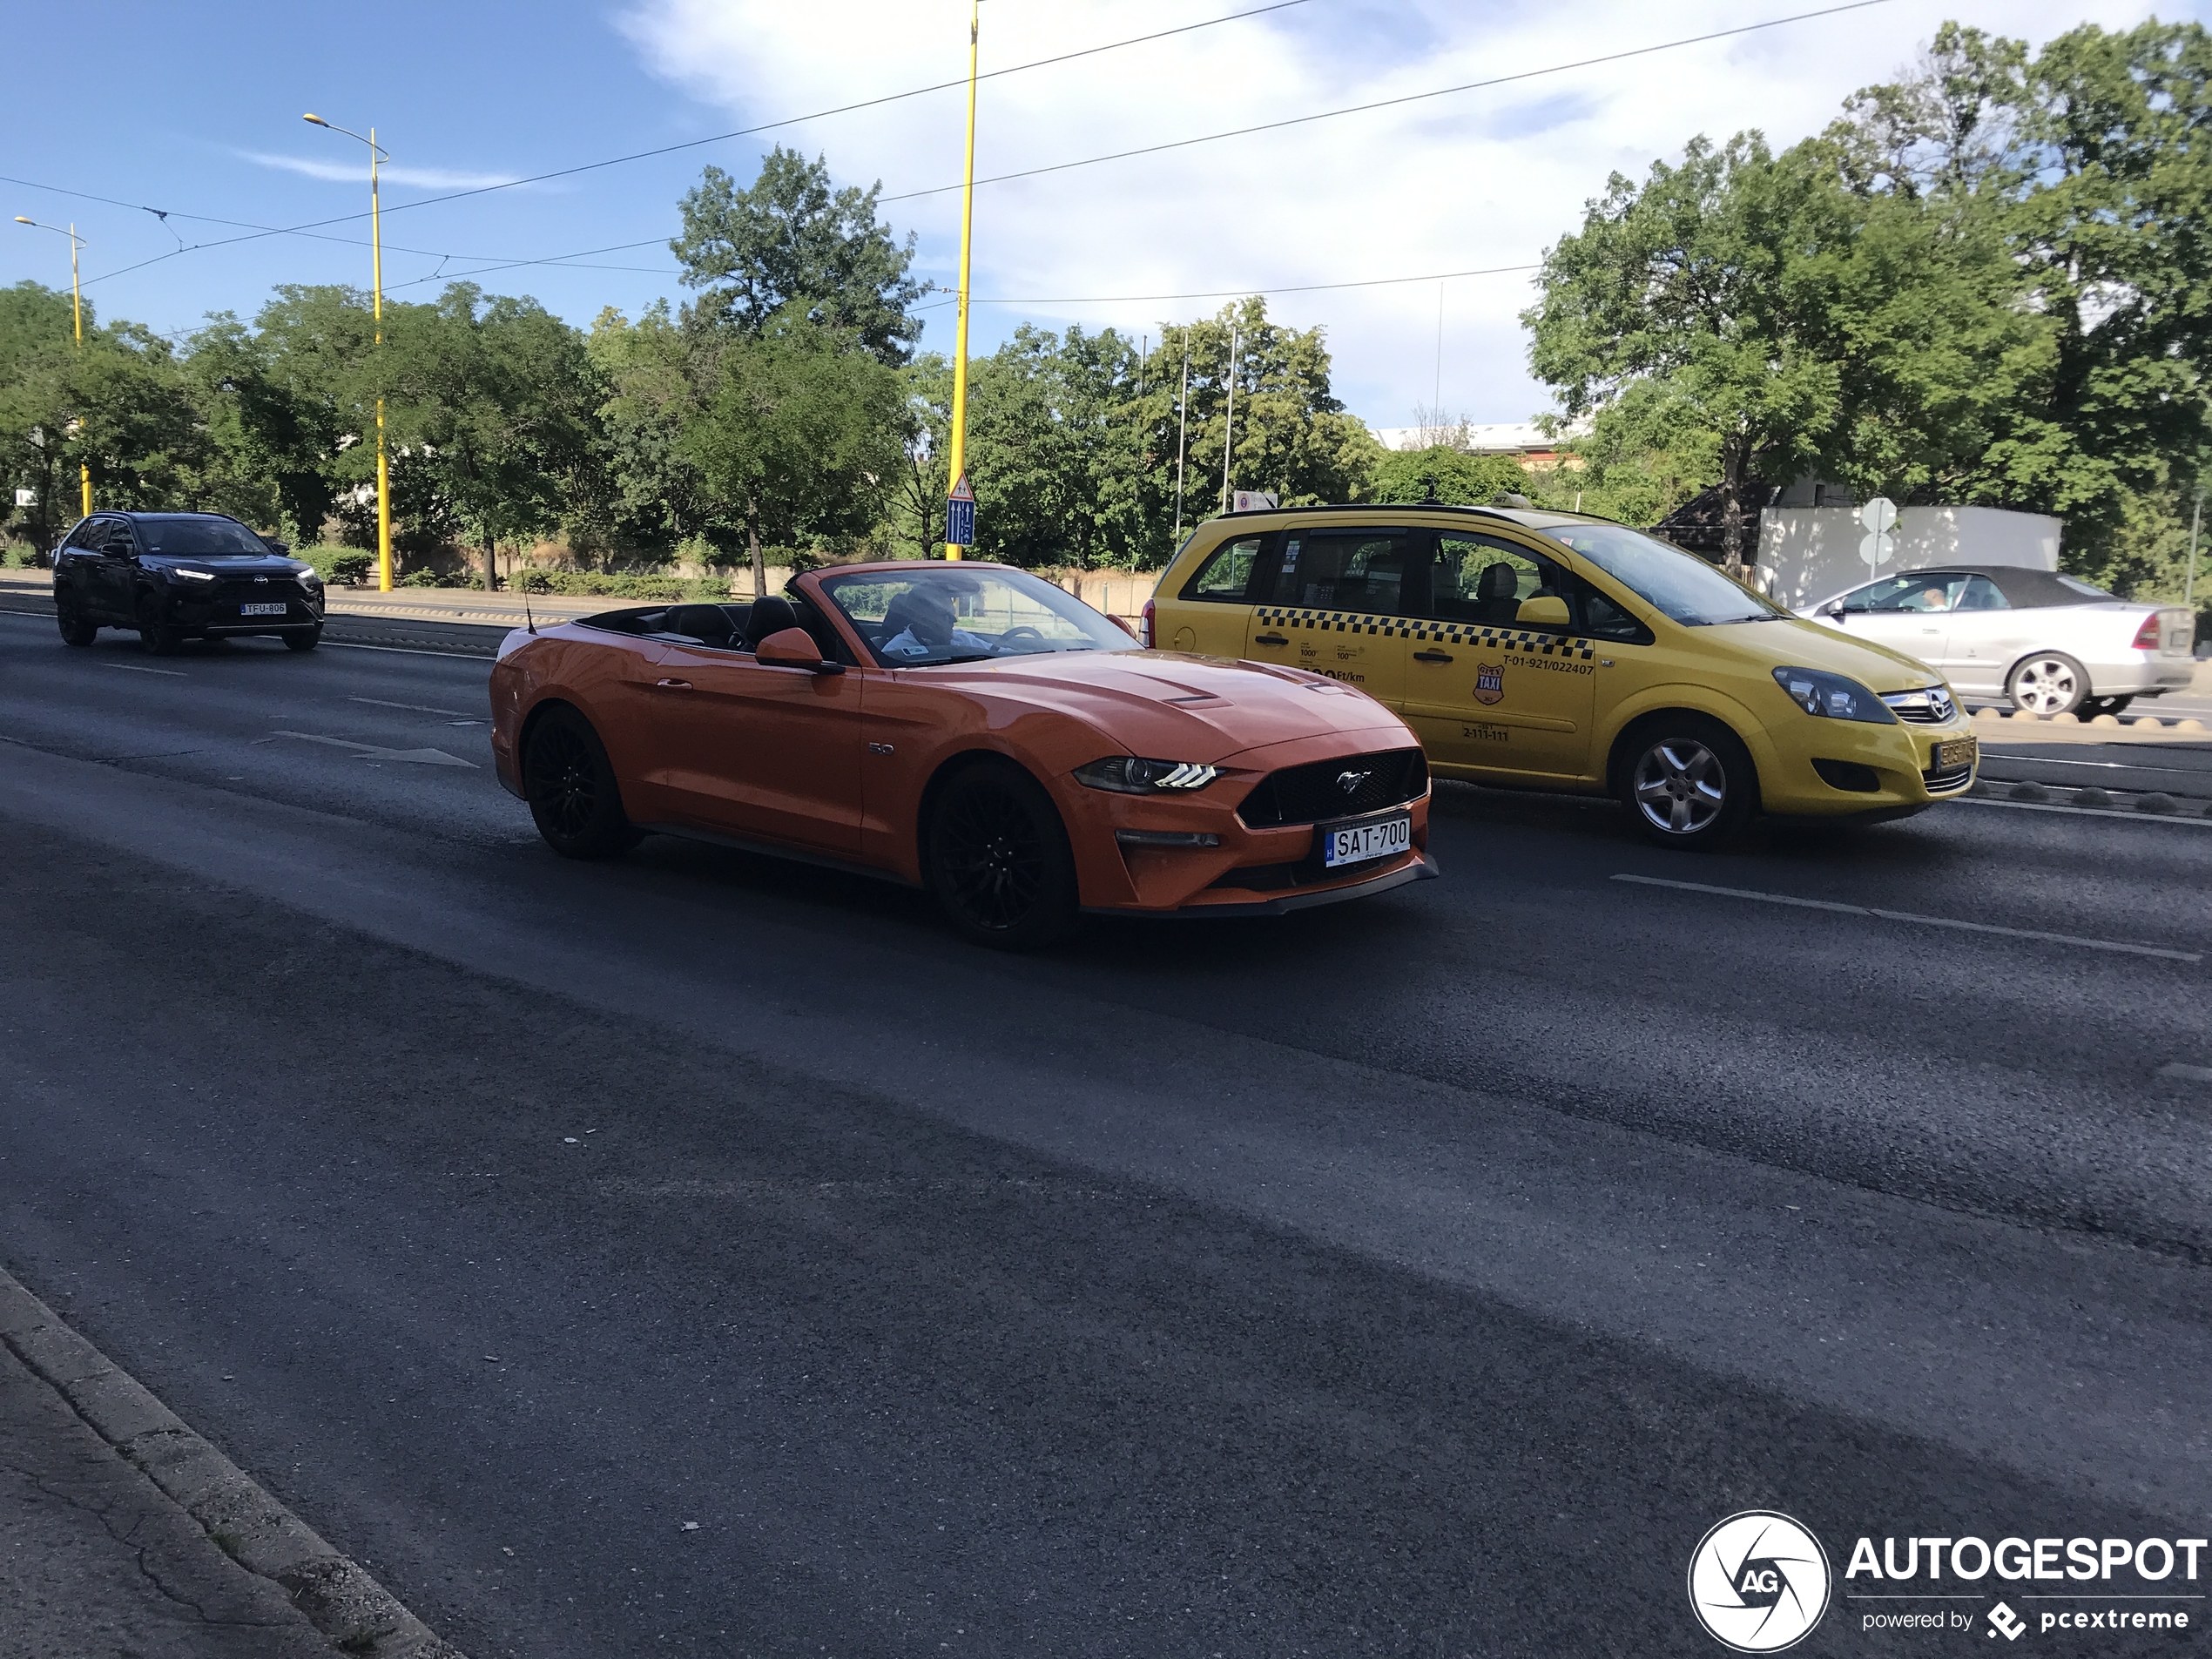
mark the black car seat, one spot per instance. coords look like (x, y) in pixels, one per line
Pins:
(1496, 593)
(709, 624)
(771, 615)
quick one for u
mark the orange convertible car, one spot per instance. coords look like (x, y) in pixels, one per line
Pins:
(968, 728)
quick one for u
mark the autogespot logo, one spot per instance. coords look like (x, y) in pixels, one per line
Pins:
(1758, 1581)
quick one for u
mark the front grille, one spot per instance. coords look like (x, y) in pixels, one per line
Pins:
(1949, 778)
(1310, 793)
(1932, 706)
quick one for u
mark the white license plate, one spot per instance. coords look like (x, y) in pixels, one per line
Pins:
(273, 608)
(1363, 841)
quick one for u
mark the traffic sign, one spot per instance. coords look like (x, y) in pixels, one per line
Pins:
(960, 515)
(1874, 547)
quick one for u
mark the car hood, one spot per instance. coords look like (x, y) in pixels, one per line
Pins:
(1175, 706)
(1793, 642)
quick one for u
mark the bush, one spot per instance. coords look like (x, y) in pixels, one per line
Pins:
(352, 566)
(590, 584)
(422, 579)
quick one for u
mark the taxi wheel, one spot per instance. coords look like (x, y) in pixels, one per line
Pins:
(996, 856)
(1687, 782)
(2049, 683)
(571, 789)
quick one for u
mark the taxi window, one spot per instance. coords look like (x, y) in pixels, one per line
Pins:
(1479, 579)
(1226, 575)
(1343, 569)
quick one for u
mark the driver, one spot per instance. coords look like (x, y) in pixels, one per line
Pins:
(932, 630)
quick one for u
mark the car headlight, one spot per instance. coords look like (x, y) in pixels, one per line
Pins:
(308, 576)
(1128, 775)
(1832, 697)
(191, 575)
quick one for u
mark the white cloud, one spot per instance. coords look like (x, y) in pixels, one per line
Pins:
(1481, 179)
(353, 172)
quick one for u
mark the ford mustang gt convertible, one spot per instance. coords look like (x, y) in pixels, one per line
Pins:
(967, 728)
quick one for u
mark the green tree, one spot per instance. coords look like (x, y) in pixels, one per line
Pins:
(37, 406)
(799, 432)
(1698, 310)
(791, 241)
(491, 402)
(1441, 473)
(651, 494)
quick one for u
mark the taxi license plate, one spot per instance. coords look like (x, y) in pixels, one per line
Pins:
(1360, 843)
(274, 609)
(1960, 751)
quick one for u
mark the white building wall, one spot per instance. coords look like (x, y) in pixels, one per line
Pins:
(1808, 554)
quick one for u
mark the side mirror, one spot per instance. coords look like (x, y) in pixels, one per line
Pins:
(1833, 610)
(283, 548)
(794, 648)
(1545, 610)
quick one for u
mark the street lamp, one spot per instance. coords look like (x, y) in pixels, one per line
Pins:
(960, 509)
(376, 157)
(76, 312)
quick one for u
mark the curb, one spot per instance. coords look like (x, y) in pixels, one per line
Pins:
(336, 1593)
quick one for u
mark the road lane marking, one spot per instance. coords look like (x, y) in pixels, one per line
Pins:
(133, 668)
(411, 650)
(2187, 1074)
(373, 751)
(1926, 921)
(412, 708)
(2082, 812)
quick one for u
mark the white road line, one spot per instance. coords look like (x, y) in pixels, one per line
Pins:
(1925, 921)
(2187, 1074)
(132, 668)
(2083, 811)
(408, 651)
(376, 752)
(412, 708)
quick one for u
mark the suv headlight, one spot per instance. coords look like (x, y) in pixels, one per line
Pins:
(191, 575)
(308, 576)
(1832, 697)
(1128, 775)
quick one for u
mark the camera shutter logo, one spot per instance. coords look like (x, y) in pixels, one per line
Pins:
(1759, 1582)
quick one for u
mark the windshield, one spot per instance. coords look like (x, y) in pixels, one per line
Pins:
(1682, 584)
(925, 615)
(202, 538)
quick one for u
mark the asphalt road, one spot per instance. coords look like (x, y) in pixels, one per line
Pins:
(1417, 1276)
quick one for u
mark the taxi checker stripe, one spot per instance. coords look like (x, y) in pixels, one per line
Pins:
(1451, 633)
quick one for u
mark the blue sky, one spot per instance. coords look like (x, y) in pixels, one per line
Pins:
(196, 108)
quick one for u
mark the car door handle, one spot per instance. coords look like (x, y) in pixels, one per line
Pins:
(1269, 639)
(1432, 656)
(674, 686)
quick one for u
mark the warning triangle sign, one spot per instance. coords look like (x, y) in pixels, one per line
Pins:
(960, 491)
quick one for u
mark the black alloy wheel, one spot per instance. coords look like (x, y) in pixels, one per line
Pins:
(1687, 781)
(158, 637)
(2093, 706)
(303, 638)
(571, 789)
(76, 629)
(997, 858)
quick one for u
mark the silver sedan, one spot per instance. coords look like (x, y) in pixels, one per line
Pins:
(2051, 643)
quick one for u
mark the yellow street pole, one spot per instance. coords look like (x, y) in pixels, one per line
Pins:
(77, 317)
(956, 469)
(376, 156)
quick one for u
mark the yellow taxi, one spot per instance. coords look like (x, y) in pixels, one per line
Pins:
(1558, 651)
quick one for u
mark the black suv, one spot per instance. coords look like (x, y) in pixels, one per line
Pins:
(175, 576)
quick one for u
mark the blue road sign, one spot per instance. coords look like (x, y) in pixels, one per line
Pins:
(960, 522)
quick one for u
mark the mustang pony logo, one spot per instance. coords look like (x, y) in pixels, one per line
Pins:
(1489, 682)
(1348, 781)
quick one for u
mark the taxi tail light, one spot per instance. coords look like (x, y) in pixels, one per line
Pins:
(1145, 627)
(2146, 636)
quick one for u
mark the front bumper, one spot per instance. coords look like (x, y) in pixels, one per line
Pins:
(1417, 865)
(218, 615)
(1843, 769)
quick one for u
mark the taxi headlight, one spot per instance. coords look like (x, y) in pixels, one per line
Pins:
(1128, 775)
(1832, 697)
